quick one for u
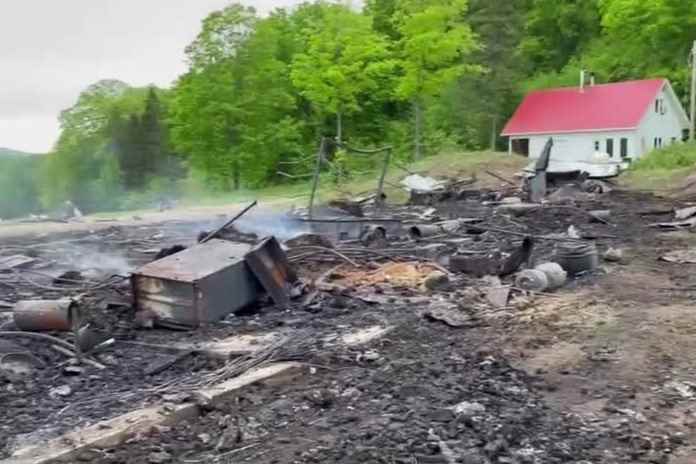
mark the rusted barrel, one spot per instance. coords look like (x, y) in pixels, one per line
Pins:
(44, 315)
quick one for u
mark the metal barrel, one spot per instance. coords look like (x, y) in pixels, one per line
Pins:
(44, 315)
(577, 258)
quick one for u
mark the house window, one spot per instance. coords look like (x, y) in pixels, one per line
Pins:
(596, 145)
(658, 142)
(660, 106)
(610, 147)
(624, 148)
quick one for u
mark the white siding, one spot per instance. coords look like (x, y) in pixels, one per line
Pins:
(581, 146)
(665, 125)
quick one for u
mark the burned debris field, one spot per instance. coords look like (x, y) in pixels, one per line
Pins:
(466, 326)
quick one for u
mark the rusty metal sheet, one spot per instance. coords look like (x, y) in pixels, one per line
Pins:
(270, 265)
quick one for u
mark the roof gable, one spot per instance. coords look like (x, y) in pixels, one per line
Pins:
(601, 107)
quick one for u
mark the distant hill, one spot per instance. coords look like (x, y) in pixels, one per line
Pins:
(17, 153)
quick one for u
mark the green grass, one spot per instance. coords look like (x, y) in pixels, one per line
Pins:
(662, 169)
(450, 164)
(656, 179)
(279, 192)
(676, 156)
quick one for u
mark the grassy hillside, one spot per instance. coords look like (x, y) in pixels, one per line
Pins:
(662, 169)
(453, 164)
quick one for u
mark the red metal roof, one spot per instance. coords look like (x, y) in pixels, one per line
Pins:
(600, 107)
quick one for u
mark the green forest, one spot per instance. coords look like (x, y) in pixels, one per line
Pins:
(261, 91)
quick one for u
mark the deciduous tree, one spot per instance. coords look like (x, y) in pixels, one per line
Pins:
(557, 31)
(345, 61)
(433, 50)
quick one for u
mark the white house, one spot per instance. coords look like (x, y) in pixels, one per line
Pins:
(607, 124)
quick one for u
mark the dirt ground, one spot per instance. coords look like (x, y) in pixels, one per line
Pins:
(599, 371)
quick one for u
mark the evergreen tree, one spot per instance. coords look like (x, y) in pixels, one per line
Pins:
(477, 105)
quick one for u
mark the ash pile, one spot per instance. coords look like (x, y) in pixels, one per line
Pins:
(87, 338)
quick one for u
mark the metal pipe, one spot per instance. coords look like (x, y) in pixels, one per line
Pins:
(214, 233)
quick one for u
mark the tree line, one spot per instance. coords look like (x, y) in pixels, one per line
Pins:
(260, 92)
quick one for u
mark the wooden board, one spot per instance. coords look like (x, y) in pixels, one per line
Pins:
(116, 431)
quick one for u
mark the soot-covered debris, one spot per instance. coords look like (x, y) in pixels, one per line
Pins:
(424, 391)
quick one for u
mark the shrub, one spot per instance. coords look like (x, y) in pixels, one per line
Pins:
(680, 155)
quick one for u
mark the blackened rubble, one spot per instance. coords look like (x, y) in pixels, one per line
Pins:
(423, 392)
(382, 403)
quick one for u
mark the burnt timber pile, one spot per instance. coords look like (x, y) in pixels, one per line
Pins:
(369, 333)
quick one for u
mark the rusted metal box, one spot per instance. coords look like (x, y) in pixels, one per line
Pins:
(201, 284)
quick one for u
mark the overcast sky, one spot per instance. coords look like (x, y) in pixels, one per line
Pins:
(50, 50)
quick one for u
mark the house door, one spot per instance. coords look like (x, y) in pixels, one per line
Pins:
(624, 148)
